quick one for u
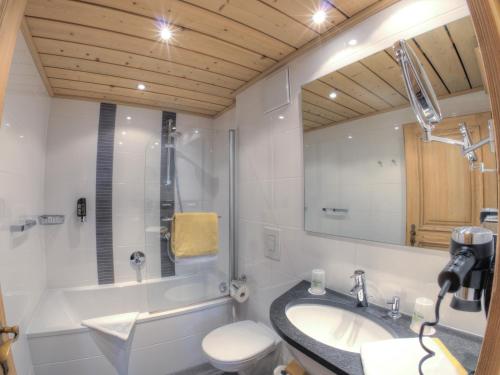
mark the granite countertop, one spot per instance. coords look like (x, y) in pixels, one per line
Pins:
(465, 347)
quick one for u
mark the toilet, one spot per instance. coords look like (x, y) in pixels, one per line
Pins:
(239, 347)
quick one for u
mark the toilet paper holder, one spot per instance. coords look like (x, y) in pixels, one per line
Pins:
(238, 289)
(239, 282)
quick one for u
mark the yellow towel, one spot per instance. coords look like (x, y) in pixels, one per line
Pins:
(195, 234)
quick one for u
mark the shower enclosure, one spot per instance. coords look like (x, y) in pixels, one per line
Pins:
(187, 170)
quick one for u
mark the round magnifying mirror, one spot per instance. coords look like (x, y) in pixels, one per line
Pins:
(418, 87)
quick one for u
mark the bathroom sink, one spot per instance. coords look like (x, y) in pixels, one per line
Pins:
(335, 326)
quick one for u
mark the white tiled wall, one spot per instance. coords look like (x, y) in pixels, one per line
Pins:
(22, 169)
(271, 183)
(135, 130)
(71, 169)
(71, 173)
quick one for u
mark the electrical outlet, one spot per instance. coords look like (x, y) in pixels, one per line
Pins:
(272, 248)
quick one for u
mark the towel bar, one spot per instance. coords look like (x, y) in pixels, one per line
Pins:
(335, 210)
(168, 219)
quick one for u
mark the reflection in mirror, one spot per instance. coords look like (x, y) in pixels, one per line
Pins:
(372, 173)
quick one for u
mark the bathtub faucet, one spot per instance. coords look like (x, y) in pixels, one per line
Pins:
(137, 260)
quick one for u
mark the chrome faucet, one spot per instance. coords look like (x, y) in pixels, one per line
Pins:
(359, 289)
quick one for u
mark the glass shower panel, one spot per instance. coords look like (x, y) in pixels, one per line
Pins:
(186, 171)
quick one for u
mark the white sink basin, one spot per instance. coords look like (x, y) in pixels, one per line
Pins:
(335, 327)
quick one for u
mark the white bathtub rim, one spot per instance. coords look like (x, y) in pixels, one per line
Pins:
(143, 317)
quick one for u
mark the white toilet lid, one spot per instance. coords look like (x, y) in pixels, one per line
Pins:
(238, 342)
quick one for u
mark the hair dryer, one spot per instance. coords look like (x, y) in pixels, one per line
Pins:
(468, 274)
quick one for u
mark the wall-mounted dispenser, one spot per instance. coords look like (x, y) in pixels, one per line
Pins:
(81, 209)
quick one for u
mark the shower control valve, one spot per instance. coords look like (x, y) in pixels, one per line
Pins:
(137, 259)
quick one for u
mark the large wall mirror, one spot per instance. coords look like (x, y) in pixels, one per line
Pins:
(370, 175)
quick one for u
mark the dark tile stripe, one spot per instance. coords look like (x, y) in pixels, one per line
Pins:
(104, 193)
(167, 194)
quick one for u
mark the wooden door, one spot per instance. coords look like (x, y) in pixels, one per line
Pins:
(442, 192)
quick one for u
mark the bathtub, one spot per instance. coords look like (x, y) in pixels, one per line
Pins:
(163, 342)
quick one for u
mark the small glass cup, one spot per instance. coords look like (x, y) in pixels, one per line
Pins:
(318, 281)
(423, 312)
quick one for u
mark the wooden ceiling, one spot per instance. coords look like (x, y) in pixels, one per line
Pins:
(102, 49)
(375, 85)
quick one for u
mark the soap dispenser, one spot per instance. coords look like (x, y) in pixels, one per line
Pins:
(81, 209)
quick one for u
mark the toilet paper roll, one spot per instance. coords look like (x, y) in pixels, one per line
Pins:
(239, 291)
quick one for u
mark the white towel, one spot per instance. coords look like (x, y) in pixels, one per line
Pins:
(402, 356)
(119, 325)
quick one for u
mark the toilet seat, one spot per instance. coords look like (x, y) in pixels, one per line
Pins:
(237, 345)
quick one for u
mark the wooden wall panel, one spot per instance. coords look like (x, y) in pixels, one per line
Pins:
(58, 48)
(225, 44)
(462, 34)
(350, 87)
(207, 108)
(143, 27)
(260, 16)
(352, 7)
(438, 47)
(198, 19)
(115, 41)
(114, 70)
(371, 81)
(11, 14)
(301, 11)
(486, 19)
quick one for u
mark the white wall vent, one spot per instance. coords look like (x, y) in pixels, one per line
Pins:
(276, 90)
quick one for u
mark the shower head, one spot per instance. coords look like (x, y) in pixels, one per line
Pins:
(172, 130)
(175, 134)
(422, 97)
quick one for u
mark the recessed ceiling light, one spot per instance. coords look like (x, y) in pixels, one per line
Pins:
(281, 117)
(333, 95)
(196, 131)
(349, 136)
(120, 143)
(396, 128)
(352, 42)
(129, 118)
(124, 133)
(141, 86)
(165, 33)
(319, 17)
(21, 136)
(157, 143)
